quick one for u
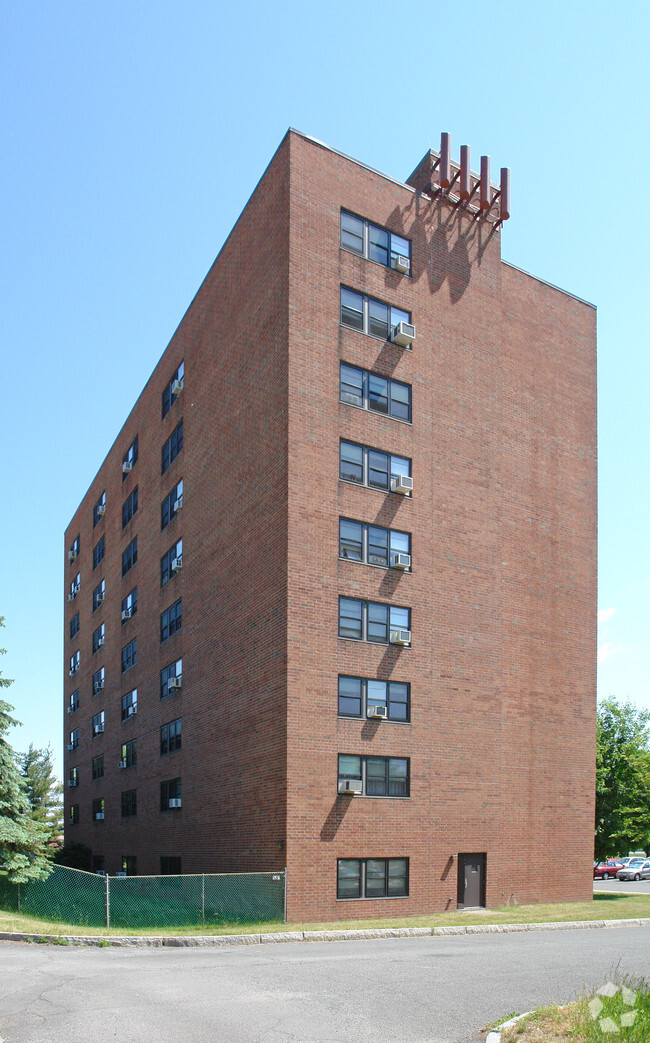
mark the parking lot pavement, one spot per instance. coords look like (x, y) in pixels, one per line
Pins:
(411, 990)
(627, 887)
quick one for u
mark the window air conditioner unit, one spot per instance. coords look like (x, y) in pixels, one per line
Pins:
(98, 686)
(121, 765)
(350, 786)
(72, 782)
(403, 334)
(72, 708)
(177, 563)
(401, 484)
(400, 637)
(72, 554)
(99, 816)
(100, 642)
(174, 802)
(178, 504)
(400, 561)
(72, 595)
(126, 466)
(100, 598)
(70, 747)
(131, 710)
(400, 263)
(177, 386)
(73, 671)
(126, 614)
(380, 712)
(98, 731)
(175, 682)
(101, 510)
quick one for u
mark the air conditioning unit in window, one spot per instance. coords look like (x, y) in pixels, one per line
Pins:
(177, 386)
(100, 642)
(127, 466)
(99, 816)
(73, 671)
(121, 764)
(177, 504)
(72, 708)
(72, 782)
(350, 786)
(70, 747)
(403, 334)
(175, 682)
(131, 710)
(401, 484)
(126, 614)
(98, 730)
(72, 554)
(174, 802)
(400, 561)
(400, 637)
(400, 263)
(98, 686)
(380, 712)
(101, 510)
(99, 598)
(72, 595)
(177, 563)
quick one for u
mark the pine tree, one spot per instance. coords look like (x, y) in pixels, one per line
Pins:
(44, 791)
(23, 842)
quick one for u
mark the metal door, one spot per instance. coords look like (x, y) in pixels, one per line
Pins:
(471, 880)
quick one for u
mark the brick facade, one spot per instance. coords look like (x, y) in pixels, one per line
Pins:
(502, 522)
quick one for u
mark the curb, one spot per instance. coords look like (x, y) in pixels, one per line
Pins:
(495, 1035)
(211, 941)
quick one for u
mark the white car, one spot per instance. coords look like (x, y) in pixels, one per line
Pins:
(636, 869)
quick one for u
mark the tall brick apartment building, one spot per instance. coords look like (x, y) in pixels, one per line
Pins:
(331, 595)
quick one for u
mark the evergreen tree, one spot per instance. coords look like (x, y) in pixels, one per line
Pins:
(23, 842)
(44, 791)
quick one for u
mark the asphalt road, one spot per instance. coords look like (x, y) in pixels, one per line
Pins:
(628, 887)
(438, 990)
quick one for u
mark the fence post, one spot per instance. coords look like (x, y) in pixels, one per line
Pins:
(284, 917)
(108, 903)
(203, 899)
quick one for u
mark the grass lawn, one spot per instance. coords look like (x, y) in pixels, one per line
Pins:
(603, 907)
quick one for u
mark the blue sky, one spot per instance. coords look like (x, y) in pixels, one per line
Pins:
(133, 135)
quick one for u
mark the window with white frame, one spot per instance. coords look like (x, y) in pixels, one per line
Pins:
(371, 467)
(373, 621)
(360, 387)
(372, 878)
(75, 661)
(75, 584)
(368, 315)
(369, 240)
(359, 696)
(74, 740)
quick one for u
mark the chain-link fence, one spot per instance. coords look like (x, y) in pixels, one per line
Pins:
(89, 900)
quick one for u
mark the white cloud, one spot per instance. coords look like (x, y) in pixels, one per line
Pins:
(605, 614)
(607, 651)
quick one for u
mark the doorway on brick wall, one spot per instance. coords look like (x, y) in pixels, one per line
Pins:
(471, 881)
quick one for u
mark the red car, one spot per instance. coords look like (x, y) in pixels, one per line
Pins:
(604, 870)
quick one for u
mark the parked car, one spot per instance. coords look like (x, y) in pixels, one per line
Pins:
(637, 869)
(603, 870)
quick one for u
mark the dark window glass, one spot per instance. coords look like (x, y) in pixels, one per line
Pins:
(129, 803)
(98, 680)
(171, 562)
(378, 244)
(374, 242)
(99, 551)
(129, 507)
(371, 467)
(130, 556)
(351, 309)
(129, 655)
(99, 510)
(356, 695)
(170, 791)
(372, 877)
(98, 863)
(171, 505)
(130, 458)
(98, 766)
(350, 539)
(369, 315)
(173, 389)
(98, 724)
(128, 754)
(171, 620)
(170, 865)
(74, 625)
(98, 809)
(129, 606)
(99, 637)
(371, 620)
(349, 878)
(129, 704)
(74, 814)
(173, 673)
(170, 737)
(172, 446)
(351, 389)
(351, 468)
(352, 233)
(130, 865)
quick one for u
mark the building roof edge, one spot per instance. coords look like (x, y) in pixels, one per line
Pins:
(552, 285)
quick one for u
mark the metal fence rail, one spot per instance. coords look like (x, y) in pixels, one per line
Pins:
(87, 899)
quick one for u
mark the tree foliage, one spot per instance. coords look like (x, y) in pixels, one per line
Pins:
(23, 842)
(622, 779)
(44, 791)
(75, 855)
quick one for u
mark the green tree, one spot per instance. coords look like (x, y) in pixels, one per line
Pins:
(23, 842)
(44, 791)
(622, 779)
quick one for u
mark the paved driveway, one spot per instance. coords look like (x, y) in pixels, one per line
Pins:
(438, 990)
(630, 887)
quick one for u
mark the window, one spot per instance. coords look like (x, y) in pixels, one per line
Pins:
(170, 737)
(129, 754)
(173, 389)
(130, 865)
(130, 458)
(99, 865)
(129, 655)
(98, 551)
(75, 584)
(170, 794)
(358, 694)
(172, 446)
(98, 809)
(371, 467)
(171, 562)
(368, 315)
(129, 704)
(129, 803)
(129, 507)
(171, 620)
(170, 865)
(74, 814)
(74, 702)
(171, 505)
(74, 740)
(73, 553)
(372, 621)
(75, 661)
(99, 637)
(98, 724)
(98, 766)
(99, 595)
(129, 605)
(130, 556)
(73, 777)
(98, 680)
(174, 674)
(99, 510)
(374, 242)
(372, 545)
(379, 776)
(372, 878)
(74, 625)
(359, 387)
